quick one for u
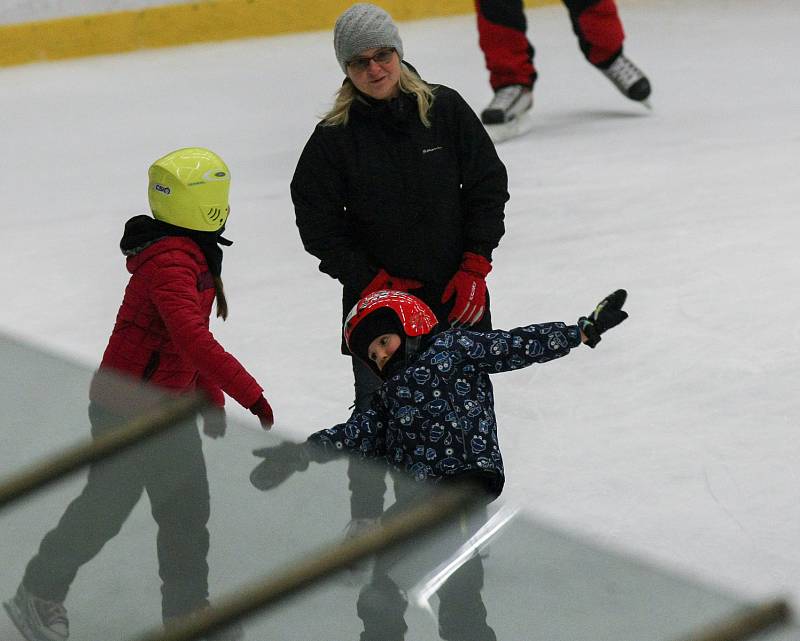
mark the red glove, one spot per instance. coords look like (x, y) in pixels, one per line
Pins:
(383, 280)
(469, 287)
(262, 409)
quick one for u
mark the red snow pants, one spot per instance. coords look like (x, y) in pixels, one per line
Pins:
(509, 54)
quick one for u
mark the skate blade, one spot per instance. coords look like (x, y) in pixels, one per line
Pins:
(508, 130)
(19, 621)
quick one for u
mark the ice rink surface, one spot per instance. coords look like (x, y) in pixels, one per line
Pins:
(676, 440)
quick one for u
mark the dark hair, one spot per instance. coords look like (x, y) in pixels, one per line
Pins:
(222, 302)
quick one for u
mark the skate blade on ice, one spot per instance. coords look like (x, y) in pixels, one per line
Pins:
(19, 622)
(512, 129)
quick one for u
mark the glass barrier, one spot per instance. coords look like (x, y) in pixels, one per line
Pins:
(507, 578)
(44, 400)
(155, 531)
(181, 521)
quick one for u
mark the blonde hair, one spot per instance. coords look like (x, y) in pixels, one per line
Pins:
(409, 82)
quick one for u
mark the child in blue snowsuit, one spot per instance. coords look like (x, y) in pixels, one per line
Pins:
(433, 420)
(433, 417)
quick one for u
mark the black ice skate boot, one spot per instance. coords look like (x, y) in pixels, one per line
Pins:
(38, 619)
(629, 79)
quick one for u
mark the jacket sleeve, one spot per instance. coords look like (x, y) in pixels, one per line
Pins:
(363, 434)
(484, 183)
(502, 351)
(174, 293)
(318, 193)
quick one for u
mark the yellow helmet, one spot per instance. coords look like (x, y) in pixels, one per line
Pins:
(189, 188)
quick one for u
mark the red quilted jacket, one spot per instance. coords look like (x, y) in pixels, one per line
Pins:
(161, 334)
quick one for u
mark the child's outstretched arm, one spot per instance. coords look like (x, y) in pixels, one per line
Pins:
(362, 434)
(505, 350)
(501, 351)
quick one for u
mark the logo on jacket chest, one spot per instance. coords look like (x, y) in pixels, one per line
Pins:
(205, 281)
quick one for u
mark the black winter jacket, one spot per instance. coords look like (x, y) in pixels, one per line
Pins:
(434, 417)
(384, 191)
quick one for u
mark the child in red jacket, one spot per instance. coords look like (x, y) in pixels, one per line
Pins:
(161, 336)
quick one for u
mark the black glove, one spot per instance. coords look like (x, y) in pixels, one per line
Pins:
(606, 315)
(279, 463)
(214, 423)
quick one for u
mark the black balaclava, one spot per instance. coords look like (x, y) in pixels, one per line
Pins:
(381, 321)
(384, 321)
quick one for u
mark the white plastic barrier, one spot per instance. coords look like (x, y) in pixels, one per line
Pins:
(17, 11)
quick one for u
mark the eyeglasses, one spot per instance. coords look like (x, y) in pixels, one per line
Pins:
(382, 57)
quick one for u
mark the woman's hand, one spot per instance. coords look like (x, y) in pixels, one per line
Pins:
(383, 280)
(468, 285)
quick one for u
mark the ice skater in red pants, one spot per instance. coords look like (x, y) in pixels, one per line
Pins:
(509, 57)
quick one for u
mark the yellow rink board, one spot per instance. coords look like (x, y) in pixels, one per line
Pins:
(195, 22)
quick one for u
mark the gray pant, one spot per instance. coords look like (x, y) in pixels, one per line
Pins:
(367, 479)
(171, 469)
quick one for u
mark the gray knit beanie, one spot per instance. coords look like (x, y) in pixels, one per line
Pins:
(364, 26)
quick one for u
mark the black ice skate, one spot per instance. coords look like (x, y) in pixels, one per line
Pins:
(508, 114)
(38, 619)
(629, 79)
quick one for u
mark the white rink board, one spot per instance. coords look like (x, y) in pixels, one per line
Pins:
(17, 11)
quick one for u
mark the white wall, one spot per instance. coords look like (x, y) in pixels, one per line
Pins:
(15, 11)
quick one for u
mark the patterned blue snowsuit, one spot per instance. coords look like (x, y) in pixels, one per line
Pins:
(434, 416)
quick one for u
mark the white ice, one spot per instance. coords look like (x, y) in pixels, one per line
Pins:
(675, 440)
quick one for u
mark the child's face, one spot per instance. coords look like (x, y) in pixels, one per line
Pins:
(383, 348)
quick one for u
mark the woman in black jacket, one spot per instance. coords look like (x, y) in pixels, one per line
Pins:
(399, 182)
(399, 187)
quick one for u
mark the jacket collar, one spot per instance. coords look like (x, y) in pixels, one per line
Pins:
(142, 232)
(162, 245)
